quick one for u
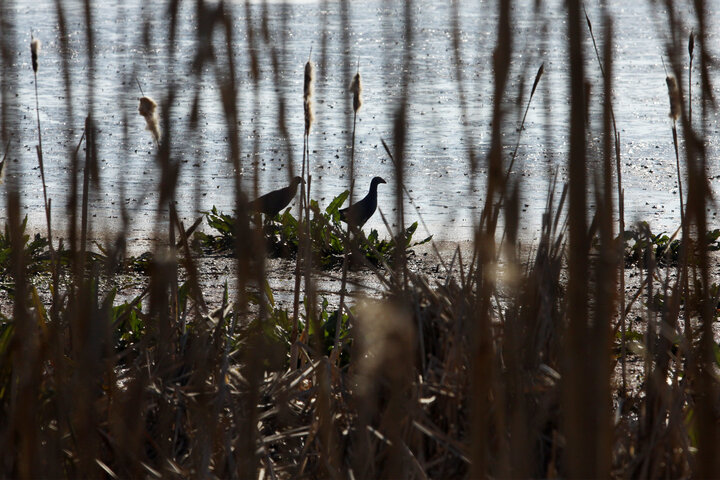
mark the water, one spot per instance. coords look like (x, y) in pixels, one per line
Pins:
(438, 171)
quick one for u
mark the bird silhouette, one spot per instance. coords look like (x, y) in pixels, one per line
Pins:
(272, 203)
(357, 214)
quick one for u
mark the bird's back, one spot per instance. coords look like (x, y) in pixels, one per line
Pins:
(271, 203)
(360, 212)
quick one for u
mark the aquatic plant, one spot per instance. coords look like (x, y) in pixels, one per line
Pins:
(674, 96)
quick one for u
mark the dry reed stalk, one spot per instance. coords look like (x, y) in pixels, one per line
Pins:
(483, 375)
(607, 269)
(621, 260)
(309, 109)
(356, 90)
(578, 375)
(462, 96)
(703, 361)
(4, 163)
(621, 207)
(308, 93)
(302, 258)
(35, 46)
(674, 114)
(90, 160)
(691, 51)
(419, 214)
(675, 110)
(400, 138)
(22, 404)
(538, 76)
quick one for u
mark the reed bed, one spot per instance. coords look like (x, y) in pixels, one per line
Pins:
(551, 361)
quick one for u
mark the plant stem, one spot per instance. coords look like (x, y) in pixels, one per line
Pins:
(42, 166)
(296, 296)
(343, 282)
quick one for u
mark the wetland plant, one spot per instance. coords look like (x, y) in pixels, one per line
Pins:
(504, 364)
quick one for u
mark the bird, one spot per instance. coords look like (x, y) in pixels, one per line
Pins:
(272, 203)
(357, 214)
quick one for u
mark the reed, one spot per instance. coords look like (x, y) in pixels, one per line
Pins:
(675, 109)
(356, 90)
(691, 54)
(35, 46)
(607, 79)
(507, 361)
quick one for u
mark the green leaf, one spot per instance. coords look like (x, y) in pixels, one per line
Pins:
(337, 202)
(269, 294)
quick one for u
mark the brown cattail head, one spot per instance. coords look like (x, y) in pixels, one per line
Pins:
(307, 96)
(309, 80)
(356, 89)
(35, 46)
(674, 95)
(538, 76)
(148, 109)
(691, 44)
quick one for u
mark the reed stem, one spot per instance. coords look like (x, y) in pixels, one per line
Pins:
(39, 150)
(343, 281)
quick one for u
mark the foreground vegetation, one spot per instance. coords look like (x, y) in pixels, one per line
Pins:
(504, 365)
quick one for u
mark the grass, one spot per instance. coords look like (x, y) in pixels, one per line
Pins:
(592, 354)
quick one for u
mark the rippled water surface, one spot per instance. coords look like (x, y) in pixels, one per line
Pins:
(438, 170)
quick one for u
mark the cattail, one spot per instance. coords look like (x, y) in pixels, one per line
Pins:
(385, 344)
(691, 44)
(674, 95)
(309, 80)
(307, 95)
(148, 109)
(35, 46)
(356, 89)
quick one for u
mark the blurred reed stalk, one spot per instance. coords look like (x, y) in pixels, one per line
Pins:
(675, 111)
(356, 91)
(691, 51)
(302, 262)
(675, 114)
(538, 76)
(607, 82)
(309, 116)
(579, 377)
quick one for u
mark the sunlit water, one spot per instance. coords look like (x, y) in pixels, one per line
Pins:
(437, 159)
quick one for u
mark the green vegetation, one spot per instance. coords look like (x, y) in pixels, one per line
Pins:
(282, 236)
(666, 249)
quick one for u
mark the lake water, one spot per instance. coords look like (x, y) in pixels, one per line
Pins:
(438, 171)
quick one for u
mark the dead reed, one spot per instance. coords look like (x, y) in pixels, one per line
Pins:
(504, 366)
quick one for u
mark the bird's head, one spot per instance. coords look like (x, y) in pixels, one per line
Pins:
(296, 181)
(376, 181)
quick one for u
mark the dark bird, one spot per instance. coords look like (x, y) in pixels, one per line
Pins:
(357, 214)
(272, 203)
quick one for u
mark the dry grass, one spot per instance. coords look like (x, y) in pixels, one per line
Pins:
(506, 367)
